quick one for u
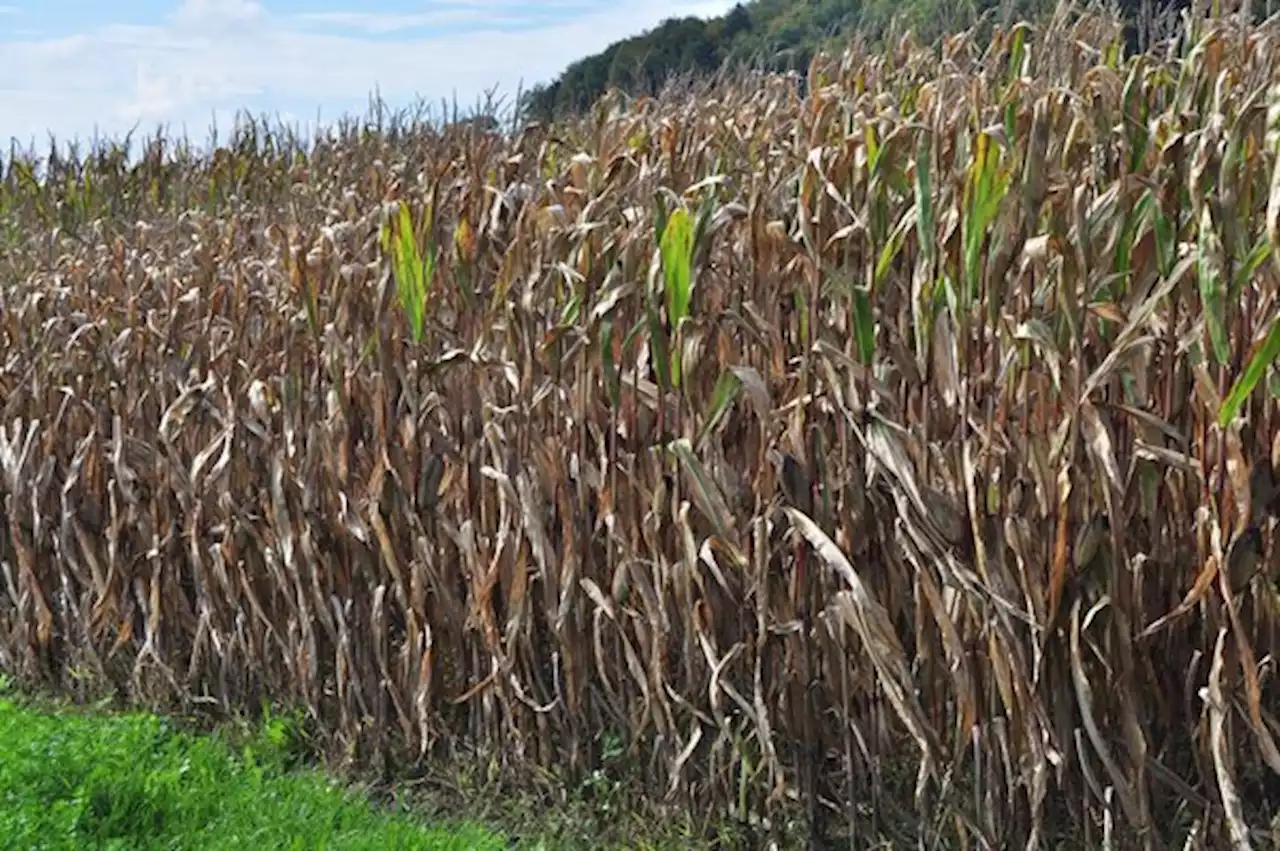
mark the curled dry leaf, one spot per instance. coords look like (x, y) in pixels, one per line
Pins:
(868, 617)
(1221, 749)
(1098, 440)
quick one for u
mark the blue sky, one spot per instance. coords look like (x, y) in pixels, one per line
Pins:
(71, 67)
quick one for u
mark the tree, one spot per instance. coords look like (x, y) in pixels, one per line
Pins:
(776, 35)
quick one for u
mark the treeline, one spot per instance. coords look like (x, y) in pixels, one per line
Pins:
(771, 34)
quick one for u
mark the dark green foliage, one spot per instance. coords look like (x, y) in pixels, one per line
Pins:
(775, 35)
(778, 34)
(643, 63)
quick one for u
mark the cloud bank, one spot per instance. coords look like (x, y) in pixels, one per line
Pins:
(208, 59)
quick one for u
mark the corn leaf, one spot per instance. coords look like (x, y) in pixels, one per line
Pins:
(1258, 366)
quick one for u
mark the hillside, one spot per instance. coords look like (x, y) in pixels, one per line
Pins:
(773, 34)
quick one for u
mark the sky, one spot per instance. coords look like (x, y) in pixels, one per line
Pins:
(76, 68)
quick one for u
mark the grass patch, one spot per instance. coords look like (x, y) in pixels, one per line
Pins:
(92, 774)
(71, 780)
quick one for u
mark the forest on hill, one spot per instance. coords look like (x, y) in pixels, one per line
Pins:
(770, 34)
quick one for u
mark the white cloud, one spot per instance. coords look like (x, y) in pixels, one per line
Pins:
(381, 23)
(213, 57)
(200, 15)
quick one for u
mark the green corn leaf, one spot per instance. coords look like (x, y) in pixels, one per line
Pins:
(610, 368)
(1166, 242)
(726, 393)
(1135, 109)
(677, 268)
(802, 310)
(658, 347)
(706, 213)
(1017, 53)
(629, 340)
(893, 244)
(921, 280)
(864, 327)
(659, 218)
(412, 271)
(985, 189)
(1253, 373)
(1249, 266)
(1132, 233)
(924, 198)
(677, 257)
(572, 309)
(874, 149)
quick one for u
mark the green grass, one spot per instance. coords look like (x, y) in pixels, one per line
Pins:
(71, 780)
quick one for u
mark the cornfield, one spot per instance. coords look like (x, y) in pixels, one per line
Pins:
(899, 448)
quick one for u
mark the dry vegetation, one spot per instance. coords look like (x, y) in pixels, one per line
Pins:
(887, 419)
